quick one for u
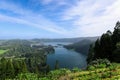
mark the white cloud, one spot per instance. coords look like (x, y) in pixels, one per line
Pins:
(87, 17)
(92, 18)
(11, 7)
(29, 18)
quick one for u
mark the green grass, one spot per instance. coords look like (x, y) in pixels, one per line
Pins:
(3, 51)
(96, 74)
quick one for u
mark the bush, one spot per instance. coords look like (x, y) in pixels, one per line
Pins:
(76, 70)
(100, 63)
(91, 68)
(27, 76)
(105, 75)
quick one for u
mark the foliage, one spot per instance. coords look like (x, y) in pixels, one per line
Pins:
(116, 53)
(57, 64)
(94, 72)
(76, 69)
(110, 72)
(9, 68)
(23, 62)
(34, 57)
(90, 54)
(27, 76)
(99, 63)
(81, 46)
(3, 51)
(107, 46)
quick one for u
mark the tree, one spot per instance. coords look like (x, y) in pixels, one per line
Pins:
(97, 51)
(16, 67)
(57, 64)
(3, 64)
(116, 53)
(29, 61)
(37, 69)
(48, 68)
(116, 34)
(107, 45)
(24, 67)
(104, 47)
(90, 54)
(10, 69)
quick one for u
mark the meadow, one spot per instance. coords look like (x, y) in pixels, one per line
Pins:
(3, 51)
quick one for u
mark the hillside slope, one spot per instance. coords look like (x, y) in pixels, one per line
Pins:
(66, 39)
(101, 72)
(81, 46)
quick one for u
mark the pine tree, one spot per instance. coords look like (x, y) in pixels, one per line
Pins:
(90, 54)
(116, 34)
(17, 67)
(106, 46)
(24, 67)
(116, 53)
(37, 70)
(57, 64)
(29, 61)
(10, 69)
(3, 64)
(97, 49)
(48, 68)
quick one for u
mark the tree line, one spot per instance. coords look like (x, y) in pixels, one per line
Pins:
(107, 46)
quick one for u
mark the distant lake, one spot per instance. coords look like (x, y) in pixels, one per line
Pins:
(67, 58)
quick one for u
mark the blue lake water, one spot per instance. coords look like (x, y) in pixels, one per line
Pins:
(67, 58)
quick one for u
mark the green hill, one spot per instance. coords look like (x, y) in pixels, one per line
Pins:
(81, 46)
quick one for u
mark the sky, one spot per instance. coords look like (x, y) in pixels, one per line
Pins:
(28, 19)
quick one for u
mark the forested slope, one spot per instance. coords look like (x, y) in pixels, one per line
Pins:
(81, 46)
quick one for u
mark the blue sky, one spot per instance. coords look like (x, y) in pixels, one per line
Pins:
(57, 18)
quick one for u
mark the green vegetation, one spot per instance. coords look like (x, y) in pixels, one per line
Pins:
(81, 46)
(108, 46)
(101, 72)
(21, 61)
(3, 51)
(65, 39)
(18, 56)
(98, 71)
(57, 64)
(9, 68)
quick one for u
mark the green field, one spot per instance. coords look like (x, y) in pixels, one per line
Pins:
(3, 51)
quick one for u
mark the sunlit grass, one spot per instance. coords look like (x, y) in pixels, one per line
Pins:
(105, 73)
(3, 51)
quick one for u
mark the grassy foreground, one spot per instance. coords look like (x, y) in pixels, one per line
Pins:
(101, 72)
(110, 73)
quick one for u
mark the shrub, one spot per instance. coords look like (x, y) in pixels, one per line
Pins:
(91, 68)
(76, 70)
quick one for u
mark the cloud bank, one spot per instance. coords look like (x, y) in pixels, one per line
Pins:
(92, 18)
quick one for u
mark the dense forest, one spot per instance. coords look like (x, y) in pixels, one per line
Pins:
(18, 56)
(81, 46)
